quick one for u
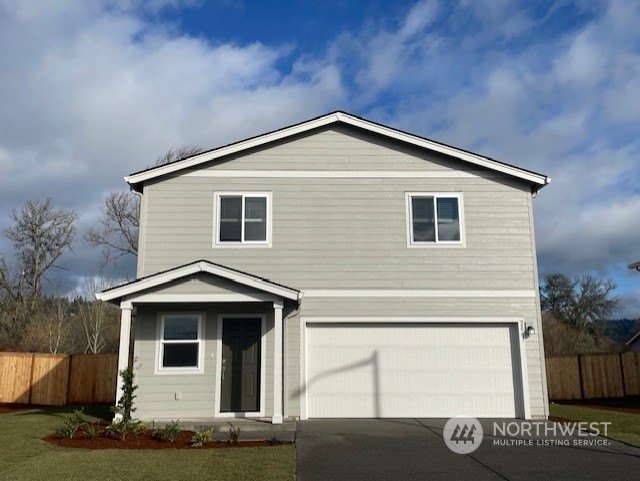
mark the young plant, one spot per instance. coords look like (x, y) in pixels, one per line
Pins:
(90, 431)
(71, 424)
(139, 428)
(124, 408)
(168, 434)
(201, 437)
(233, 433)
(117, 429)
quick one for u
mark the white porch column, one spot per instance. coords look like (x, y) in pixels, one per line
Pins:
(277, 363)
(123, 351)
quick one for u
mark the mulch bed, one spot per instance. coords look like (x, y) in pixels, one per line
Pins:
(146, 441)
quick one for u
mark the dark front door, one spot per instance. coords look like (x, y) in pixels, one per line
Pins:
(240, 365)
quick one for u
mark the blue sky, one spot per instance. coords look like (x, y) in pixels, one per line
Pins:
(91, 91)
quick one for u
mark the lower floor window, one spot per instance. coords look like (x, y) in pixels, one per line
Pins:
(180, 339)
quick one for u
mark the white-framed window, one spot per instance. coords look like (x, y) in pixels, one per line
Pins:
(434, 219)
(242, 219)
(180, 342)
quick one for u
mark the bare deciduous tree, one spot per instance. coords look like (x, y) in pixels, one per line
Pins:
(117, 233)
(41, 234)
(96, 316)
(118, 230)
(578, 301)
(176, 154)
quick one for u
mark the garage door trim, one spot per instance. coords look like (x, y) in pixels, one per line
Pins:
(521, 391)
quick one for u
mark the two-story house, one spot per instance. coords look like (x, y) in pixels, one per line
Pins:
(335, 268)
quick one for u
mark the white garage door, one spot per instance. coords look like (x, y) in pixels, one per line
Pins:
(412, 370)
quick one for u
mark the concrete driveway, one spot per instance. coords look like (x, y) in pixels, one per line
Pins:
(413, 449)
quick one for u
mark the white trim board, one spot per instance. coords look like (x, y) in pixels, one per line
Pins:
(336, 174)
(410, 320)
(204, 298)
(411, 293)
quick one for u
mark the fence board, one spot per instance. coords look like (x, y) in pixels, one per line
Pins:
(631, 370)
(50, 379)
(92, 378)
(601, 376)
(15, 377)
(563, 378)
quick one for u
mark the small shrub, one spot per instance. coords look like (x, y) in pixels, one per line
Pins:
(71, 424)
(274, 441)
(139, 428)
(90, 431)
(201, 437)
(169, 433)
(117, 429)
(233, 433)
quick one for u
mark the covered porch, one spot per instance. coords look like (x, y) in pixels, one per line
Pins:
(208, 342)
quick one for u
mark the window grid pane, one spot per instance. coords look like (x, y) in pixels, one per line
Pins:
(180, 328)
(448, 219)
(423, 219)
(180, 354)
(255, 218)
(230, 218)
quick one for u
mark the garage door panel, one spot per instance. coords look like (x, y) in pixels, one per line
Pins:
(409, 370)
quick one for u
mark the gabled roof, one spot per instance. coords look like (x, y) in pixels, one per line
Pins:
(162, 278)
(536, 180)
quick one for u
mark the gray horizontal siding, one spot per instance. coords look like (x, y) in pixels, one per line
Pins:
(331, 236)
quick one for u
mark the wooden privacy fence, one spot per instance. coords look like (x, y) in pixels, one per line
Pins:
(593, 376)
(57, 379)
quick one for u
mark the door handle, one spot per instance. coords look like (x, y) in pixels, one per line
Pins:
(224, 367)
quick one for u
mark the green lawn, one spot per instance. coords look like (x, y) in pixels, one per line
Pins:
(24, 456)
(624, 427)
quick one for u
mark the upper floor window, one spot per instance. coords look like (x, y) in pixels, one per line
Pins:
(243, 218)
(434, 219)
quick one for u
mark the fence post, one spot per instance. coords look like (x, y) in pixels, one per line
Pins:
(624, 383)
(33, 363)
(580, 376)
(69, 378)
